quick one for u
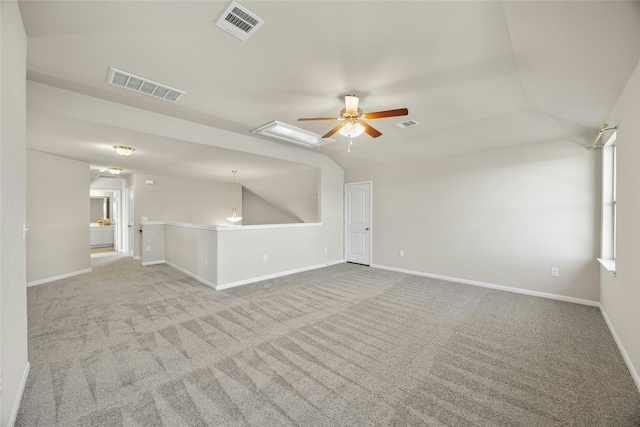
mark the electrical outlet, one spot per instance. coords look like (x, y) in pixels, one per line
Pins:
(206, 261)
(555, 271)
(326, 249)
(148, 248)
(265, 258)
(0, 383)
(401, 253)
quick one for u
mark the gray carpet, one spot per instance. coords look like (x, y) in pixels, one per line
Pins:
(346, 345)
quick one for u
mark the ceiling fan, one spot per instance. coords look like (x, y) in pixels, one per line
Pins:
(353, 119)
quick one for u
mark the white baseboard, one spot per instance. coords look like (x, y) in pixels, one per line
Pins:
(623, 352)
(153, 262)
(493, 286)
(62, 276)
(192, 275)
(275, 275)
(16, 405)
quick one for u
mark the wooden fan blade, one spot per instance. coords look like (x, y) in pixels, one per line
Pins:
(374, 133)
(386, 113)
(319, 118)
(334, 130)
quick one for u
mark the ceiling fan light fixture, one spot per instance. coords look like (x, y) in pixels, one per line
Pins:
(123, 150)
(351, 130)
(351, 104)
(114, 171)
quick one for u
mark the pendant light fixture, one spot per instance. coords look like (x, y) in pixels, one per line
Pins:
(234, 214)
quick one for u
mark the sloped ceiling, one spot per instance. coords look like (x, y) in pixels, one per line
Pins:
(475, 75)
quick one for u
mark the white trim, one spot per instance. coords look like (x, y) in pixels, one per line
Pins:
(267, 226)
(161, 261)
(232, 227)
(62, 276)
(16, 405)
(623, 352)
(275, 275)
(609, 265)
(192, 275)
(493, 286)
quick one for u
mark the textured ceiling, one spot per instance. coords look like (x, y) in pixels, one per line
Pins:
(475, 75)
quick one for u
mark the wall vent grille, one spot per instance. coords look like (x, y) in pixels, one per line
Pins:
(145, 86)
(407, 123)
(239, 21)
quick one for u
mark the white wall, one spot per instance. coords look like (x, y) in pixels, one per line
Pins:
(241, 252)
(58, 208)
(295, 195)
(194, 250)
(257, 210)
(13, 291)
(183, 200)
(620, 295)
(502, 217)
(223, 257)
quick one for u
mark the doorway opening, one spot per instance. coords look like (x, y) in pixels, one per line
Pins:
(105, 220)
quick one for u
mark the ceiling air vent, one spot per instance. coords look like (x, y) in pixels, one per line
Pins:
(407, 123)
(142, 85)
(103, 176)
(239, 22)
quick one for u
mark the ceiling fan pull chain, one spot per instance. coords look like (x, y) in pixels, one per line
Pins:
(349, 144)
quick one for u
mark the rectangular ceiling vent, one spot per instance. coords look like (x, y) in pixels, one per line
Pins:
(239, 21)
(407, 124)
(145, 86)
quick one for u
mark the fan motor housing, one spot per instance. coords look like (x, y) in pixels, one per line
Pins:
(346, 115)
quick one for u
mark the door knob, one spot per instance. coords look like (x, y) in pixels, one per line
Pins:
(366, 229)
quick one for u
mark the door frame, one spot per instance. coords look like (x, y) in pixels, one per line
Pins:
(127, 219)
(115, 213)
(370, 219)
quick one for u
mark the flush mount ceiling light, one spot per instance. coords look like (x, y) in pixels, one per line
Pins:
(292, 134)
(234, 214)
(123, 150)
(115, 171)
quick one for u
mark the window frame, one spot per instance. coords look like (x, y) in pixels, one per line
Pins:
(608, 246)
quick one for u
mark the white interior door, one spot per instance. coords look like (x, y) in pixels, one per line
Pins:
(358, 222)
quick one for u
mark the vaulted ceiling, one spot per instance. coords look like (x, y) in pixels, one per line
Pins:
(474, 75)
